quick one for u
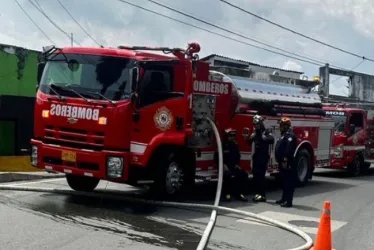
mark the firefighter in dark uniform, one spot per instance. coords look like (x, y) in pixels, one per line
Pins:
(284, 154)
(235, 178)
(262, 139)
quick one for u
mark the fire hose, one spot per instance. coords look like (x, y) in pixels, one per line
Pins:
(215, 208)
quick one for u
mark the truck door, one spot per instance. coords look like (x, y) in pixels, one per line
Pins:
(158, 113)
(357, 129)
(370, 134)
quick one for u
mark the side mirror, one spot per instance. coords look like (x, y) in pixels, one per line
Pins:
(40, 72)
(134, 78)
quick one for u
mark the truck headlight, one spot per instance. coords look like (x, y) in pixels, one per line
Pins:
(114, 166)
(338, 151)
(34, 155)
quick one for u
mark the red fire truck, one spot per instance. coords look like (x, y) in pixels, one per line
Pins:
(132, 116)
(353, 141)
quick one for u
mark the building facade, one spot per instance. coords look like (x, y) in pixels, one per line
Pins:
(18, 72)
(256, 69)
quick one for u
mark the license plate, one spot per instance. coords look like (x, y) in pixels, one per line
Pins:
(68, 156)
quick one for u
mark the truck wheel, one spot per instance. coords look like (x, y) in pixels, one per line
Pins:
(174, 175)
(303, 168)
(357, 165)
(82, 183)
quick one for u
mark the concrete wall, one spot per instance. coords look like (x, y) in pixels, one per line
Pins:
(18, 69)
(361, 86)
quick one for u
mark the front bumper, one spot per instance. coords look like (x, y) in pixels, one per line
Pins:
(337, 163)
(88, 162)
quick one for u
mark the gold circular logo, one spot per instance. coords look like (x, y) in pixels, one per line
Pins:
(163, 119)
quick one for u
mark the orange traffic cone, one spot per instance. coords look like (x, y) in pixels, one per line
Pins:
(323, 237)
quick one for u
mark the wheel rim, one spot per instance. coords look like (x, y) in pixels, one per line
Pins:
(174, 178)
(302, 168)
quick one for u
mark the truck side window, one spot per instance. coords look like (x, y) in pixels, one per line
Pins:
(357, 122)
(155, 86)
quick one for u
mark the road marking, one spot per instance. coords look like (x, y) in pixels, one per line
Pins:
(293, 219)
(32, 182)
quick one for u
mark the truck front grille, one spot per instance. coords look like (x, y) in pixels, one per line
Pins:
(75, 138)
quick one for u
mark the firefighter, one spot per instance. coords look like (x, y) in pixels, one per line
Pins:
(235, 178)
(262, 139)
(284, 154)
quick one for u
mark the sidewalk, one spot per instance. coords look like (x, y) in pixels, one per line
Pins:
(26, 176)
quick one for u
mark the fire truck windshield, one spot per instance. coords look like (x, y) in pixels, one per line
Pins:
(91, 76)
(340, 123)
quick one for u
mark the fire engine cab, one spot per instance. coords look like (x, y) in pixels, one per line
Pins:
(132, 116)
(353, 135)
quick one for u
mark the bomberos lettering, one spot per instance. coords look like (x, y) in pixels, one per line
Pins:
(330, 112)
(211, 87)
(74, 112)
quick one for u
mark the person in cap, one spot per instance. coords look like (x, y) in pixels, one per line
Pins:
(262, 139)
(284, 154)
(235, 178)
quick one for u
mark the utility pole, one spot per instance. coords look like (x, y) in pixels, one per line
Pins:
(71, 39)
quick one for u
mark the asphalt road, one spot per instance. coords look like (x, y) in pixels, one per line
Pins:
(52, 221)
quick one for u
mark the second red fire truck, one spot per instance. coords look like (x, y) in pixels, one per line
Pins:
(131, 116)
(353, 134)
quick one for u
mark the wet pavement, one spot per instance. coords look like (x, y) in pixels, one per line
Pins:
(52, 221)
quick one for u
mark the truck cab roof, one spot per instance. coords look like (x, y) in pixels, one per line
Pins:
(341, 109)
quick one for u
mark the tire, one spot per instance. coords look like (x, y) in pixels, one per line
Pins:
(357, 166)
(174, 175)
(82, 183)
(303, 167)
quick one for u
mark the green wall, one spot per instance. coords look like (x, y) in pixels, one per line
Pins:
(18, 69)
(7, 140)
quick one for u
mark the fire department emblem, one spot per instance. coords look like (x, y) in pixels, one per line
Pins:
(72, 120)
(163, 118)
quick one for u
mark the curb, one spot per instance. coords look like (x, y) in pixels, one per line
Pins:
(17, 164)
(11, 177)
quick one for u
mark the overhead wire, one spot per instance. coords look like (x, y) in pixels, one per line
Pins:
(231, 32)
(76, 21)
(295, 32)
(39, 8)
(32, 20)
(218, 34)
(316, 62)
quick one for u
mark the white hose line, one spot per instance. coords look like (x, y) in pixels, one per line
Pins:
(307, 245)
(213, 217)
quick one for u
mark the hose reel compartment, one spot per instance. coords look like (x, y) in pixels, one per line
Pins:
(203, 106)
